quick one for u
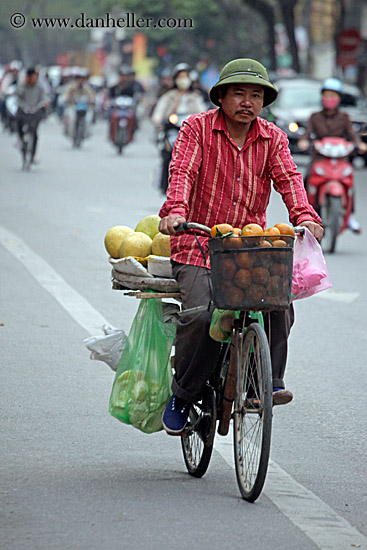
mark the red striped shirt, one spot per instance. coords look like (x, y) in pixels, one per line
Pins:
(213, 181)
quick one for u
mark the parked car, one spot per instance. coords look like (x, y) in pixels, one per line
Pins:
(300, 96)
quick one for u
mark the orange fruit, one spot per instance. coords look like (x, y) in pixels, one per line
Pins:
(275, 285)
(265, 244)
(234, 241)
(228, 268)
(257, 293)
(244, 259)
(221, 229)
(236, 297)
(281, 270)
(251, 230)
(279, 243)
(285, 229)
(236, 231)
(272, 233)
(243, 278)
(260, 275)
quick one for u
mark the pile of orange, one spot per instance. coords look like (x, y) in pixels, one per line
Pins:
(275, 236)
(258, 277)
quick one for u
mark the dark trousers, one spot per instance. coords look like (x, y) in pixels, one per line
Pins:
(196, 353)
(33, 121)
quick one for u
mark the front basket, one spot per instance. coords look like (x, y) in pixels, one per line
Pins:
(248, 274)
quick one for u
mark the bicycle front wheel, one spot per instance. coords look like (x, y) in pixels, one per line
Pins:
(198, 439)
(252, 412)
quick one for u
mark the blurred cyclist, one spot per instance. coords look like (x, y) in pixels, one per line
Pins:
(31, 99)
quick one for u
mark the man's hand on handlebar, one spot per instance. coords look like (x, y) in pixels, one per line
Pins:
(316, 229)
(169, 223)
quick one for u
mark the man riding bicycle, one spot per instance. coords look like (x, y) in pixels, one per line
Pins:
(221, 171)
(31, 100)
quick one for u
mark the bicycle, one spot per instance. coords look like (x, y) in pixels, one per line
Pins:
(30, 119)
(241, 385)
(80, 122)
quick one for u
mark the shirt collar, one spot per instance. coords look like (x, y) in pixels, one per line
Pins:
(257, 128)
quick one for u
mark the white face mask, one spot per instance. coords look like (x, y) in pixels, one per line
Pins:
(183, 82)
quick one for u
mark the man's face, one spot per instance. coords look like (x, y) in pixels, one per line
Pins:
(242, 103)
(31, 79)
(123, 78)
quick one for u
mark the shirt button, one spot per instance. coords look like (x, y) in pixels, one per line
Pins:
(238, 179)
(234, 204)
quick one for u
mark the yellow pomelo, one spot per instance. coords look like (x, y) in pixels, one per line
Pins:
(114, 238)
(161, 245)
(136, 244)
(149, 225)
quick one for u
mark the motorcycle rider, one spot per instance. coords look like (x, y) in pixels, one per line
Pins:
(8, 80)
(180, 99)
(77, 88)
(31, 97)
(165, 82)
(126, 86)
(331, 122)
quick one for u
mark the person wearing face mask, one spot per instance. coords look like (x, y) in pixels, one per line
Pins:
(331, 122)
(181, 98)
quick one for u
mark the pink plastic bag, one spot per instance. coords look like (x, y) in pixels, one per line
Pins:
(310, 274)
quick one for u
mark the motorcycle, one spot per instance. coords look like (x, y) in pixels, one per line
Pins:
(78, 119)
(122, 121)
(10, 109)
(330, 187)
(166, 138)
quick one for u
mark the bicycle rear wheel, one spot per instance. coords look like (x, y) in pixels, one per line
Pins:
(27, 147)
(198, 438)
(252, 412)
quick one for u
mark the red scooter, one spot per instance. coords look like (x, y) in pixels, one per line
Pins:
(330, 187)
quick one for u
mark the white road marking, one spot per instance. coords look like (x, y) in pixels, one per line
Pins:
(78, 307)
(338, 295)
(305, 510)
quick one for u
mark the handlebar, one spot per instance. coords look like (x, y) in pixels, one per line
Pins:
(32, 110)
(191, 225)
(299, 230)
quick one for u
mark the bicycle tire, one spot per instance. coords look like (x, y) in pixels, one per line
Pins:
(27, 148)
(252, 412)
(331, 216)
(198, 439)
(121, 139)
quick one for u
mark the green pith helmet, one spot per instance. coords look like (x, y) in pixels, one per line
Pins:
(244, 71)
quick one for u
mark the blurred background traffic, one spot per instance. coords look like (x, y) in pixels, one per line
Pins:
(119, 74)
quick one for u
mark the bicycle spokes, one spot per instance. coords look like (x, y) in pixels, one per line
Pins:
(253, 412)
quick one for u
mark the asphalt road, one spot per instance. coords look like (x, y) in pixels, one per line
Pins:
(73, 477)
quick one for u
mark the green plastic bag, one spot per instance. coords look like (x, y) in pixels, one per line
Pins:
(142, 385)
(216, 330)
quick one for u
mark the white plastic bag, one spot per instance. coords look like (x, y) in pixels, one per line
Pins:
(107, 348)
